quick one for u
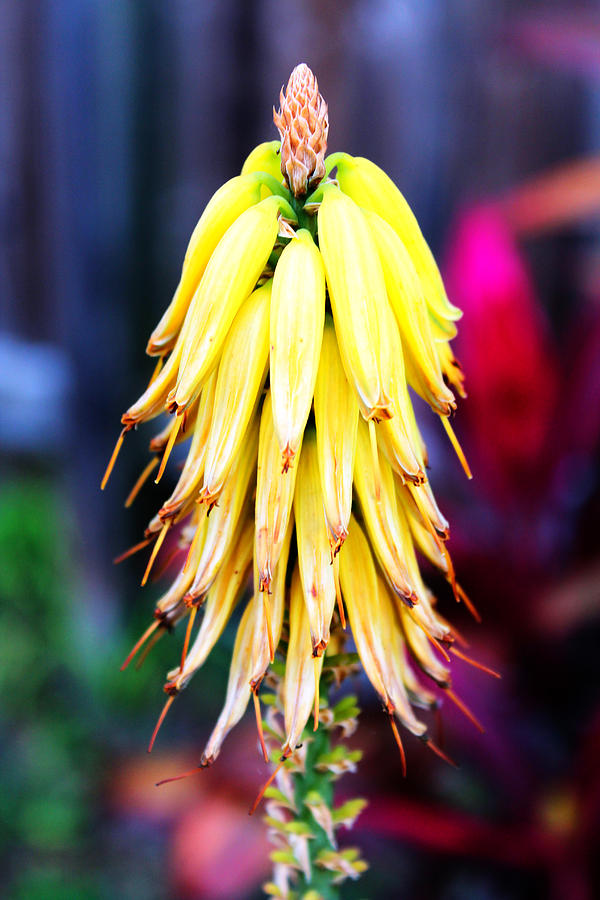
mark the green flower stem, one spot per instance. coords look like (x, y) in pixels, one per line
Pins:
(322, 783)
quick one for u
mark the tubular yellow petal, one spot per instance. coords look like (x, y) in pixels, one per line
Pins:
(422, 650)
(221, 527)
(238, 687)
(153, 401)
(424, 540)
(397, 435)
(379, 507)
(358, 579)
(423, 499)
(393, 664)
(226, 205)
(172, 600)
(357, 295)
(229, 278)
(300, 671)
(405, 294)
(241, 375)
(314, 554)
(369, 186)
(274, 497)
(451, 368)
(221, 600)
(276, 600)
(296, 332)
(190, 480)
(265, 158)
(336, 419)
(423, 613)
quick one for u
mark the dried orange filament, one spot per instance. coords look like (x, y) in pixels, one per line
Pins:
(141, 481)
(151, 628)
(132, 550)
(259, 725)
(267, 784)
(473, 662)
(161, 719)
(457, 448)
(267, 609)
(153, 640)
(188, 634)
(155, 550)
(396, 734)
(440, 753)
(179, 777)
(468, 603)
(317, 679)
(338, 590)
(169, 447)
(465, 710)
(113, 458)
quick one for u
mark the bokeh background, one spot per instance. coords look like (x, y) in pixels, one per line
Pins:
(117, 123)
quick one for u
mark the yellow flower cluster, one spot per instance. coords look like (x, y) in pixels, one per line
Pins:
(285, 358)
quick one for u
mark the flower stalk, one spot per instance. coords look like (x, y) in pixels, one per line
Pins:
(308, 313)
(303, 821)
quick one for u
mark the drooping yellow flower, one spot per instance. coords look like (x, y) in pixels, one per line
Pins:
(286, 355)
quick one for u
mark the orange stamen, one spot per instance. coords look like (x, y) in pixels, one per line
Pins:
(153, 640)
(113, 458)
(161, 719)
(440, 753)
(141, 482)
(267, 784)
(396, 734)
(169, 447)
(156, 371)
(132, 550)
(473, 662)
(317, 679)
(179, 777)
(457, 448)
(267, 610)
(259, 725)
(188, 633)
(151, 628)
(468, 603)
(155, 550)
(338, 590)
(465, 710)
